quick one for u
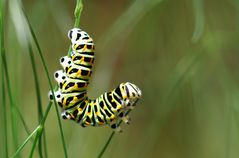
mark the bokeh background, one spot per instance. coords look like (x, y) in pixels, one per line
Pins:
(182, 54)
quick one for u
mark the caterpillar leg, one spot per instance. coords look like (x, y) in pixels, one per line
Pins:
(125, 118)
(114, 125)
(129, 103)
(65, 115)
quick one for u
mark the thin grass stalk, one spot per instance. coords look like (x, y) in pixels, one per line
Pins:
(14, 111)
(22, 120)
(44, 143)
(4, 112)
(34, 144)
(38, 128)
(48, 77)
(38, 95)
(77, 13)
(12, 108)
(4, 64)
(79, 7)
(15, 108)
(3, 100)
(110, 138)
(25, 142)
(106, 145)
(198, 6)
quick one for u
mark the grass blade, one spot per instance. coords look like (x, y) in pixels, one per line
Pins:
(77, 13)
(79, 7)
(38, 128)
(109, 139)
(4, 63)
(3, 103)
(34, 145)
(3, 100)
(199, 20)
(48, 77)
(106, 145)
(38, 95)
(25, 142)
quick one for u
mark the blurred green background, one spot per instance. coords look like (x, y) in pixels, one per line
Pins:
(182, 54)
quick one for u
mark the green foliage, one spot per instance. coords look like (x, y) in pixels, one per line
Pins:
(182, 54)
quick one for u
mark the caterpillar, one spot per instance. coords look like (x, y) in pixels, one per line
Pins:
(73, 80)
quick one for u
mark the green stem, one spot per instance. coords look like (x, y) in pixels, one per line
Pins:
(39, 133)
(109, 139)
(78, 10)
(3, 102)
(106, 145)
(25, 142)
(38, 94)
(33, 146)
(45, 144)
(4, 63)
(199, 20)
(49, 80)
(77, 13)
(22, 120)
(40, 127)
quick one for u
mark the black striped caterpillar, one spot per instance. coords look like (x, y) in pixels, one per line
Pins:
(73, 80)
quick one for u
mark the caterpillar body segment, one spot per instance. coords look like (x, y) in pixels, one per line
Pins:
(78, 36)
(68, 100)
(68, 85)
(75, 71)
(86, 59)
(81, 41)
(109, 108)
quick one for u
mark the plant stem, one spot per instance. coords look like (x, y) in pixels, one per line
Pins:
(77, 13)
(39, 127)
(78, 10)
(39, 132)
(4, 63)
(3, 102)
(109, 139)
(38, 94)
(106, 145)
(49, 80)
(25, 142)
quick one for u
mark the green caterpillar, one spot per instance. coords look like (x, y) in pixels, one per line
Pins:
(73, 81)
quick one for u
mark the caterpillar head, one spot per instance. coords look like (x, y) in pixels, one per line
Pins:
(130, 94)
(78, 36)
(130, 91)
(133, 90)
